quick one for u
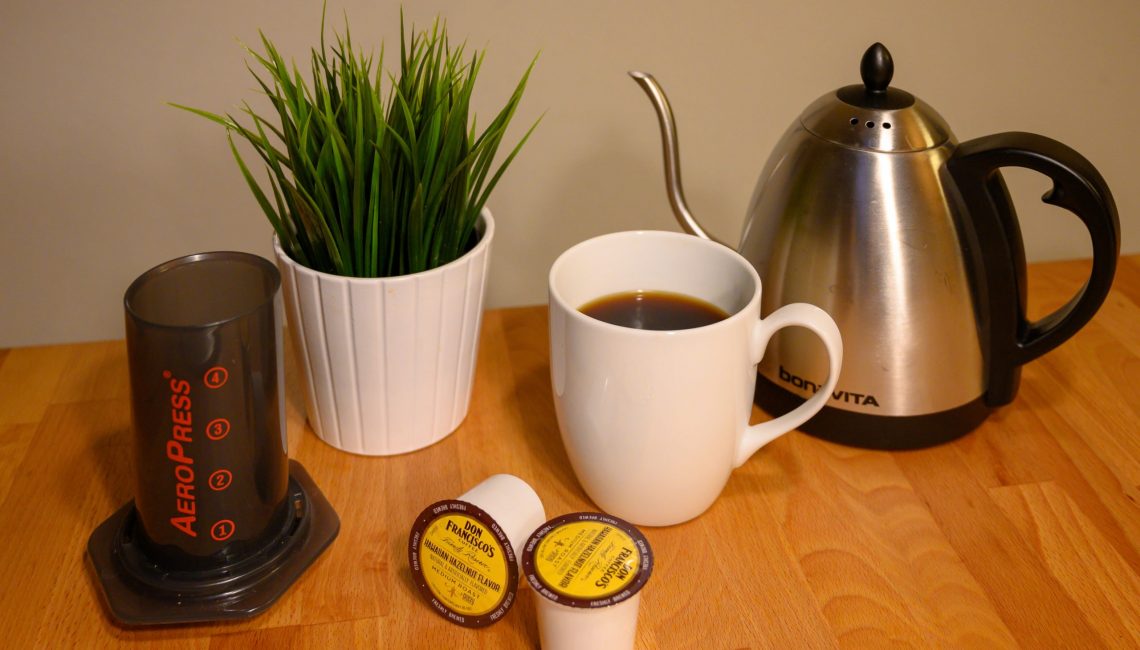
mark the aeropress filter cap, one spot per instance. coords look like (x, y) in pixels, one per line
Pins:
(222, 523)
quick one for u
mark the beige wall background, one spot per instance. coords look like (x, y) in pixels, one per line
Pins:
(100, 180)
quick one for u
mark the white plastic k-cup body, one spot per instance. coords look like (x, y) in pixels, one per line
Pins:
(587, 570)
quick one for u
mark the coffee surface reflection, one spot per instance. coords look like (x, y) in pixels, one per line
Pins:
(653, 310)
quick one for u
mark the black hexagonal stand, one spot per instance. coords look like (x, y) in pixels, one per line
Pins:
(140, 592)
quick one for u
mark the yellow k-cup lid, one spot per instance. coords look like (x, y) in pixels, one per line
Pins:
(587, 559)
(463, 563)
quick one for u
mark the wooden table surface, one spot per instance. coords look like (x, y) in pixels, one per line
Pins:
(1024, 533)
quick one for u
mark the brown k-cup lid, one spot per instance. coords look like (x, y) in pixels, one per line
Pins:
(587, 559)
(463, 563)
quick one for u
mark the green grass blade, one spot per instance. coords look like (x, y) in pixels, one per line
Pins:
(364, 182)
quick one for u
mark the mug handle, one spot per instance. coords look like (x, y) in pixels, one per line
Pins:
(818, 321)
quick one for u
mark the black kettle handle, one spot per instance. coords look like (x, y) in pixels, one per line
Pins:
(993, 240)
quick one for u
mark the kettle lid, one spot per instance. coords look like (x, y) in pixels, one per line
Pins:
(875, 116)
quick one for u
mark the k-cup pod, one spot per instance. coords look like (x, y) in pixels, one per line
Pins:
(464, 552)
(588, 570)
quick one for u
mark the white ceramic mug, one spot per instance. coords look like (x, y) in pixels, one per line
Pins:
(655, 421)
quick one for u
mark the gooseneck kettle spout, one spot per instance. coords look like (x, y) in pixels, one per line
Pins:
(672, 156)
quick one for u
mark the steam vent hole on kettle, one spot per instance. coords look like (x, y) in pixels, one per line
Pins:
(869, 124)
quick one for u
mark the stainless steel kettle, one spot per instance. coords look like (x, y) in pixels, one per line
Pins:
(870, 208)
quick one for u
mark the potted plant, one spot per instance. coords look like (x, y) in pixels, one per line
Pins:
(382, 235)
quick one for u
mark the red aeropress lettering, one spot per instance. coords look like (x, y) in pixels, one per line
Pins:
(181, 432)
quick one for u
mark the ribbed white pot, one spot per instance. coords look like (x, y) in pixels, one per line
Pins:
(388, 363)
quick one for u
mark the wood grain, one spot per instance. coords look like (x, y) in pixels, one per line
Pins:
(1088, 568)
(1025, 533)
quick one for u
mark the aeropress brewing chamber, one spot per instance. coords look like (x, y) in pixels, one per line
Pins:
(222, 522)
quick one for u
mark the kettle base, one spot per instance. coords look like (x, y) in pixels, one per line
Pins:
(875, 431)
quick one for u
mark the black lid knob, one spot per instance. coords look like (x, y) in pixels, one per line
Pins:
(876, 68)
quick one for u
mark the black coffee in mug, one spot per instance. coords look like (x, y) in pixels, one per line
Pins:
(653, 310)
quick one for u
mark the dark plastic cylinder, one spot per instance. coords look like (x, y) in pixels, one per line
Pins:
(205, 348)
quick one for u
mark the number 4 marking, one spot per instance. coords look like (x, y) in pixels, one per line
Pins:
(216, 377)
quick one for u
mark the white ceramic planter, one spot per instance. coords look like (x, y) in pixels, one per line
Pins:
(388, 363)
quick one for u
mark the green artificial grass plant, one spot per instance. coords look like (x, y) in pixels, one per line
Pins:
(371, 186)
